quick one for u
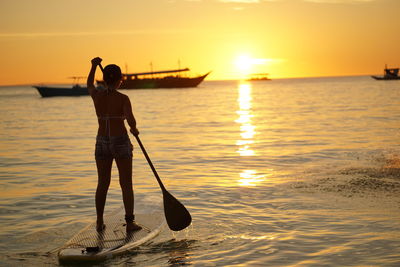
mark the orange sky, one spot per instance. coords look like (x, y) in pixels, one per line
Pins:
(45, 41)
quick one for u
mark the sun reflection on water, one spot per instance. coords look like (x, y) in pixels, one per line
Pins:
(247, 130)
(247, 134)
(251, 178)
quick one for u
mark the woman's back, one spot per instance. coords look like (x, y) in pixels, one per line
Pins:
(110, 113)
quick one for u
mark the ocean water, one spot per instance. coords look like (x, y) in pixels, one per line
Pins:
(297, 172)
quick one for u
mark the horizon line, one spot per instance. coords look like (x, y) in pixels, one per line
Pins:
(211, 80)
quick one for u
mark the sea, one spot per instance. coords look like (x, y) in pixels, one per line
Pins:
(287, 172)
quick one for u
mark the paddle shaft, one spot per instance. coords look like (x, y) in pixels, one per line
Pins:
(150, 163)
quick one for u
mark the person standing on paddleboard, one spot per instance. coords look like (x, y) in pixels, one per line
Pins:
(112, 141)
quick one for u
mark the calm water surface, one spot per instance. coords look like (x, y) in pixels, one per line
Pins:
(300, 172)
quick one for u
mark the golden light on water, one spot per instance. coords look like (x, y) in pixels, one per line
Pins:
(244, 116)
(250, 237)
(248, 177)
(247, 129)
(251, 178)
(245, 151)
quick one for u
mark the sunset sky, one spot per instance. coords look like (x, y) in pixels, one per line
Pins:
(45, 41)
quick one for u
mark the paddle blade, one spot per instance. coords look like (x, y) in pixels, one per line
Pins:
(177, 216)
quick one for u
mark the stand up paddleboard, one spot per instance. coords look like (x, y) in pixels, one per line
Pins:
(90, 245)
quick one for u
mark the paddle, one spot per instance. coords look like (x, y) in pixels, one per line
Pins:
(177, 216)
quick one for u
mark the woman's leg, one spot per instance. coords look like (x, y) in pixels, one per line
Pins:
(125, 181)
(103, 182)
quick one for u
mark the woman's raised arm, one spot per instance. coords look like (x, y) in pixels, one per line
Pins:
(90, 80)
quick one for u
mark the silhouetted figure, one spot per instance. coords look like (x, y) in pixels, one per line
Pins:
(112, 141)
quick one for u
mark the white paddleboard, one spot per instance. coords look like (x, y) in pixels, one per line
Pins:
(89, 245)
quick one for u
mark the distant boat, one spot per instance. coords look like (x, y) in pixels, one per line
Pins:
(389, 74)
(159, 79)
(259, 77)
(76, 90)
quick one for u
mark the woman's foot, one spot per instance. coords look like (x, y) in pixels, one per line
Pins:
(100, 226)
(132, 226)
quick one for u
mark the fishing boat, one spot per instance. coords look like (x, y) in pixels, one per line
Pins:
(159, 79)
(389, 74)
(259, 77)
(75, 90)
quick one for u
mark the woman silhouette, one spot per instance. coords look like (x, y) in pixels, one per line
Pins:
(112, 141)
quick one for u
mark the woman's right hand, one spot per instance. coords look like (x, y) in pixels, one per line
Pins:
(96, 61)
(135, 131)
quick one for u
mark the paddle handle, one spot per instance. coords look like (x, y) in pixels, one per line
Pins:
(150, 163)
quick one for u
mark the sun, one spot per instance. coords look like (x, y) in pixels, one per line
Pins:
(244, 64)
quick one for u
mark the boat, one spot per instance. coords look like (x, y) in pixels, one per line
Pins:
(76, 90)
(159, 79)
(389, 74)
(259, 77)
